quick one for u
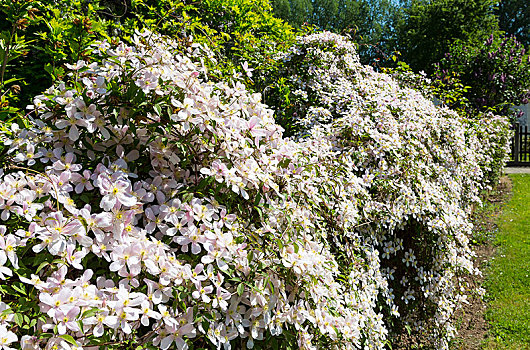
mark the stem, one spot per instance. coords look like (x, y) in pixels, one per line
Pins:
(6, 57)
(45, 175)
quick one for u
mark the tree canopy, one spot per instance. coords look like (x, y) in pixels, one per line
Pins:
(369, 23)
(427, 29)
(514, 19)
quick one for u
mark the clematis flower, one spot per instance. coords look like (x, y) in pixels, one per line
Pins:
(5, 272)
(8, 244)
(6, 338)
(66, 320)
(115, 192)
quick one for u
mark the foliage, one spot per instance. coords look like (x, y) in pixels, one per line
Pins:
(13, 46)
(497, 74)
(49, 35)
(428, 28)
(61, 32)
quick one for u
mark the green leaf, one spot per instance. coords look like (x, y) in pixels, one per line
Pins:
(158, 109)
(250, 256)
(69, 339)
(19, 319)
(41, 266)
(89, 313)
(240, 289)
(19, 289)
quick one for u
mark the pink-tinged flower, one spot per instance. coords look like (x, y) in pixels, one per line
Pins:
(29, 342)
(129, 157)
(8, 244)
(186, 113)
(154, 220)
(54, 232)
(79, 64)
(126, 300)
(148, 313)
(61, 183)
(202, 292)
(203, 213)
(238, 185)
(167, 272)
(96, 222)
(101, 125)
(4, 271)
(126, 256)
(66, 163)
(46, 155)
(216, 254)
(7, 207)
(29, 208)
(74, 257)
(51, 303)
(123, 319)
(78, 233)
(217, 170)
(197, 274)
(246, 69)
(148, 82)
(220, 299)
(66, 320)
(155, 292)
(97, 84)
(176, 335)
(28, 156)
(72, 122)
(171, 213)
(192, 236)
(84, 112)
(6, 338)
(115, 192)
(99, 322)
(130, 278)
(166, 315)
(253, 127)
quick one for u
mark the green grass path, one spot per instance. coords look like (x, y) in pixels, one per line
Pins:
(508, 277)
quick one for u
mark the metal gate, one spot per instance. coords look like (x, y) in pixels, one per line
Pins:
(520, 146)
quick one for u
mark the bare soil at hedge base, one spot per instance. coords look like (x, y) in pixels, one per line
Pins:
(472, 326)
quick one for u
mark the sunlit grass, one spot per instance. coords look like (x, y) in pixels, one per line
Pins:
(508, 276)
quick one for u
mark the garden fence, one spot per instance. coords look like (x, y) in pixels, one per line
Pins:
(520, 146)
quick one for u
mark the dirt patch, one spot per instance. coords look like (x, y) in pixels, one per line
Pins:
(472, 326)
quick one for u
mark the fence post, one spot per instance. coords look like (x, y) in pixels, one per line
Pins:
(517, 143)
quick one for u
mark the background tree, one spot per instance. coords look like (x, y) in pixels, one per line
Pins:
(282, 8)
(514, 19)
(496, 74)
(369, 23)
(426, 29)
(325, 14)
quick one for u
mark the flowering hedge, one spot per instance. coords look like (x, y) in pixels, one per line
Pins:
(424, 167)
(144, 206)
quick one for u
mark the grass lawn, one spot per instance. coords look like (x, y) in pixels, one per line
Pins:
(508, 276)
